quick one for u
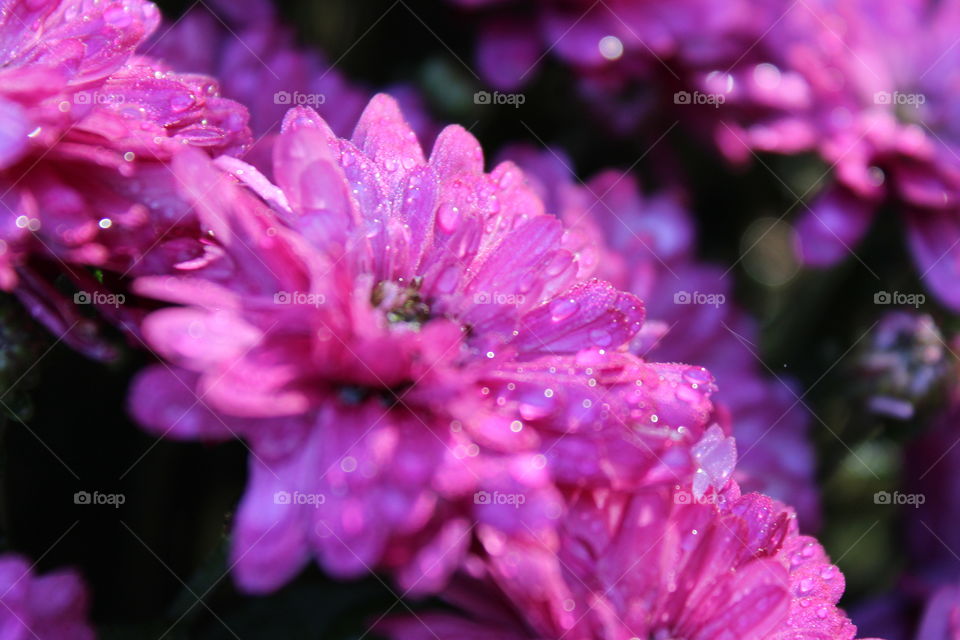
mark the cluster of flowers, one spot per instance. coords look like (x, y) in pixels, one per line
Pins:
(465, 379)
(866, 86)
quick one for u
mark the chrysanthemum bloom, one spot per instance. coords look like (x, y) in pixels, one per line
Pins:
(258, 63)
(49, 607)
(657, 563)
(408, 347)
(941, 619)
(930, 478)
(826, 79)
(646, 245)
(87, 129)
(904, 364)
(628, 38)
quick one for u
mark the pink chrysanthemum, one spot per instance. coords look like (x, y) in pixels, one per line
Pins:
(87, 127)
(48, 607)
(393, 334)
(646, 245)
(657, 563)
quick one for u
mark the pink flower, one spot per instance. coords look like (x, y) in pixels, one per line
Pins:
(49, 607)
(397, 336)
(645, 244)
(657, 563)
(87, 130)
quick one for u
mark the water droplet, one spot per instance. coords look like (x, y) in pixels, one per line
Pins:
(181, 102)
(601, 337)
(448, 217)
(610, 47)
(562, 309)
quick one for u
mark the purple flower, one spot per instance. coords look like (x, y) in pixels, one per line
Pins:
(826, 79)
(930, 472)
(941, 618)
(409, 348)
(49, 607)
(657, 563)
(905, 363)
(258, 64)
(626, 38)
(645, 244)
(87, 129)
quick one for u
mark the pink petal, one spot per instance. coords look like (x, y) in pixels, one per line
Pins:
(591, 314)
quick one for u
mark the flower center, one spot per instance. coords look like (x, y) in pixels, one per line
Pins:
(401, 302)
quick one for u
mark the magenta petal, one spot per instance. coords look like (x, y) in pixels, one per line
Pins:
(197, 339)
(269, 542)
(934, 237)
(456, 151)
(306, 163)
(833, 225)
(716, 456)
(385, 136)
(439, 558)
(14, 127)
(162, 400)
(592, 313)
